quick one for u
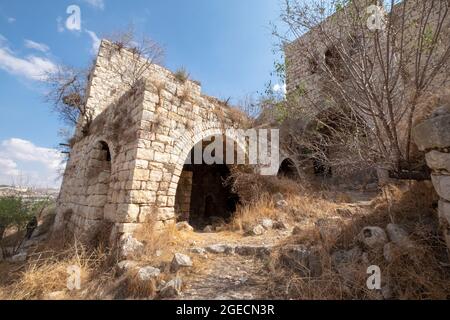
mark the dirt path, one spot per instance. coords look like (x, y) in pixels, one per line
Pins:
(228, 276)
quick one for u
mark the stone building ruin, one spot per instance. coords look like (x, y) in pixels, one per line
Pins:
(129, 166)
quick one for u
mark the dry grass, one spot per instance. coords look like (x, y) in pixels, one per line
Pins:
(251, 215)
(252, 187)
(46, 272)
(417, 273)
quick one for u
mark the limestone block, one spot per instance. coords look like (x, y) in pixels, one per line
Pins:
(152, 186)
(145, 154)
(161, 201)
(142, 196)
(165, 214)
(444, 211)
(438, 160)
(140, 164)
(161, 157)
(155, 176)
(133, 185)
(433, 133)
(125, 213)
(442, 185)
(141, 174)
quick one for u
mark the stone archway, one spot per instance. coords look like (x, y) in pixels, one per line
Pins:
(98, 178)
(288, 169)
(202, 196)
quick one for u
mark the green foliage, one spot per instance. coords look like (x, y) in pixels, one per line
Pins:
(14, 212)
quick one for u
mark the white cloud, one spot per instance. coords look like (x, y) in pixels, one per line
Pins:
(30, 44)
(95, 41)
(278, 88)
(8, 167)
(99, 4)
(11, 20)
(21, 158)
(32, 67)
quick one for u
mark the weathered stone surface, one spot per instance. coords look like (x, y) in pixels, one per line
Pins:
(433, 133)
(372, 237)
(389, 251)
(130, 247)
(216, 248)
(444, 211)
(257, 230)
(126, 266)
(200, 251)
(253, 250)
(267, 223)
(171, 289)
(208, 229)
(305, 261)
(442, 186)
(280, 225)
(132, 159)
(346, 256)
(184, 226)
(180, 261)
(438, 160)
(148, 273)
(399, 236)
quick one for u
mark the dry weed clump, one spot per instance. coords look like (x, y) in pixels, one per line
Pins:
(252, 187)
(418, 272)
(251, 215)
(46, 271)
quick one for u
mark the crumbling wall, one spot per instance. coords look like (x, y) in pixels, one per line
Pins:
(433, 137)
(150, 128)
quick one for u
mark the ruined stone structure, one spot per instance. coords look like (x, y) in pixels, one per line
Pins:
(433, 137)
(129, 167)
(307, 87)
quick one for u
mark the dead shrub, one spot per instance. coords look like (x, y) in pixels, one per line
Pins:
(181, 75)
(252, 187)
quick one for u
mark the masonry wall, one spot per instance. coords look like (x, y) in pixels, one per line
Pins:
(150, 129)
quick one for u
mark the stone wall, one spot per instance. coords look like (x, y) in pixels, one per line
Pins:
(304, 78)
(433, 137)
(149, 130)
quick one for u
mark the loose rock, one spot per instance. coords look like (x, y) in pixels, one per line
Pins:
(126, 265)
(130, 247)
(184, 226)
(208, 229)
(399, 236)
(257, 230)
(148, 273)
(373, 237)
(171, 289)
(180, 261)
(267, 223)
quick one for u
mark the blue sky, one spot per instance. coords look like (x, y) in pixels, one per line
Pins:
(225, 44)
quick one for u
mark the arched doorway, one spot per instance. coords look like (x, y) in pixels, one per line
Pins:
(98, 176)
(288, 170)
(203, 198)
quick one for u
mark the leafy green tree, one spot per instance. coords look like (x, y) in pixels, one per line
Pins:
(13, 213)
